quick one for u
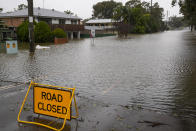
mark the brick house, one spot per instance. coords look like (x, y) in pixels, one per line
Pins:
(55, 19)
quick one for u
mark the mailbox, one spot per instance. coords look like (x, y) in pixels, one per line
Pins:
(11, 47)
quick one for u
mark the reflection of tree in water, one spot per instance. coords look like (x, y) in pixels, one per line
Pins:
(184, 94)
(3, 73)
(185, 100)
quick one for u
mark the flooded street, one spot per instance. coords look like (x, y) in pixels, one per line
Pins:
(155, 72)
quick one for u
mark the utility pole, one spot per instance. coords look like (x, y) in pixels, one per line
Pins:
(31, 30)
(151, 7)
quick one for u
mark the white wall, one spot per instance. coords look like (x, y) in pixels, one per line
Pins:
(55, 21)
(67, 21)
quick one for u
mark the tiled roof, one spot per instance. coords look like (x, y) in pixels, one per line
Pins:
(48, 13)
(99, 21)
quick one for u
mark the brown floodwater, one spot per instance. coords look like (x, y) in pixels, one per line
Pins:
(154, 71)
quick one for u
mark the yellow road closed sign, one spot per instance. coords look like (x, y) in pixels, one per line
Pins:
(52, 102)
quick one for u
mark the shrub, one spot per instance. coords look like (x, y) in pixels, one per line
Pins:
(42, 32)
(139, 29)
(23, 32)
(59, 33)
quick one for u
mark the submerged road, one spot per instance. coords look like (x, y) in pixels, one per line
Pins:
(121, 84)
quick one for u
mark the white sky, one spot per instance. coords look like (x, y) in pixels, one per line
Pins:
(83, 8)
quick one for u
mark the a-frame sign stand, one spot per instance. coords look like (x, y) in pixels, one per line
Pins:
(54, 101)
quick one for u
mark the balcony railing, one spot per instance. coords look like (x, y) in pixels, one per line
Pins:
(98, 27)
(68, 27)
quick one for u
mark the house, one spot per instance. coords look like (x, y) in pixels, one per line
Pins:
(102, 27)
(6, 32)
(55, 19)
(99, 24)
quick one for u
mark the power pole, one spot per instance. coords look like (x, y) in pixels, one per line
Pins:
(31, 30)
(151, 7)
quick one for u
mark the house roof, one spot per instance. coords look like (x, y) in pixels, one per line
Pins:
(99, 21)
(41, 12)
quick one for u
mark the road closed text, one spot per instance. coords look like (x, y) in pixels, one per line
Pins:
(50, 107)
(51, 102)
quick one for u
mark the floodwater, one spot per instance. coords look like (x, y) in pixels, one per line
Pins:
(154, 72)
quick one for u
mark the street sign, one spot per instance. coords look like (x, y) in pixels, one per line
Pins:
(52, 102)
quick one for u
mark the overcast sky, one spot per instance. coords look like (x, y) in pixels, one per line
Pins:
(83, 8)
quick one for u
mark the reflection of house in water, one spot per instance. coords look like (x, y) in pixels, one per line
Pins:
(69, 23)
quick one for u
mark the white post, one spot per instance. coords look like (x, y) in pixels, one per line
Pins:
(78, 34)
(71, 35)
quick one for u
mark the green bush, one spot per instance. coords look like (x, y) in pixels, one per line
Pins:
(59, 33)
(42, 32)
(139, 29)
(23, 32)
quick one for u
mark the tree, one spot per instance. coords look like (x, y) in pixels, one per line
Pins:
(22, 6)
(59, 33)
(42, 32)
(23, 32)
(156, 17)
(133, 3)
(141, 17)
(105, 9)
(69, 12)
(1, 9)
(188, 9)
(176, 22)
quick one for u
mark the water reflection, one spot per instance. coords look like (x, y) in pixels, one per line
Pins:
(153, 71)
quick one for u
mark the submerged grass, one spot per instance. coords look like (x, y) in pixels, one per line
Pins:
(25, 45)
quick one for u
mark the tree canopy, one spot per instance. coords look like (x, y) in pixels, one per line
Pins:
(105, 9)
(142, 17)
(23, 32)
(188, 9)
(42, 32)
(22, 6)
(177, 22)
(59, 33)
(69, 12)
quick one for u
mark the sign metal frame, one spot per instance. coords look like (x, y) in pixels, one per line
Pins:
(32, 84)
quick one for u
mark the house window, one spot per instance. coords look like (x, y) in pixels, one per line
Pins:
(74, 22)
(61, 21)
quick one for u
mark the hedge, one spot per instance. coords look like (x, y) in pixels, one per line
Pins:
(59, 33)
(23, 32)
(42, 33)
